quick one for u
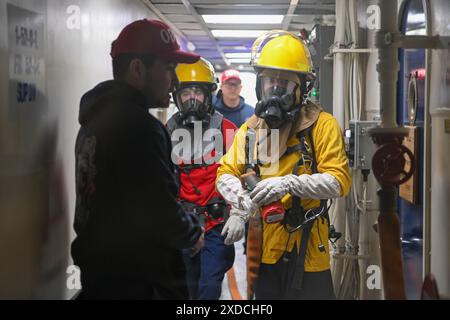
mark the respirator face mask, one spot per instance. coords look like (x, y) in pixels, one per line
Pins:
(279, 99)
(194, 105)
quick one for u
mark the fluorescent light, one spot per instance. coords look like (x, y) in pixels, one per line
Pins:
(191, 47)
(237, 33)
(238, 61)
(245, 48)
(243, 19)
(239, 55)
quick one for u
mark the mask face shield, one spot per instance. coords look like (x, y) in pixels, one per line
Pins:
(280, 94)
(193, 102)
(276, 86)
(190, 97)
(276, 83)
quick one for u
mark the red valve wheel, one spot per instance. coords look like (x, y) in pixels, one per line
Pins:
(389, 164)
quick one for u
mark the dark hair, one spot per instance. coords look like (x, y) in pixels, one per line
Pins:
(122, 62)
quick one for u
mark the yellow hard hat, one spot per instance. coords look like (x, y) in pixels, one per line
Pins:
(282, 50)
(201, 72)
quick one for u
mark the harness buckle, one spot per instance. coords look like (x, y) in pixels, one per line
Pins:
(296, 221)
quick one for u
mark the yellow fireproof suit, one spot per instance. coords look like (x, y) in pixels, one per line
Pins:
(331, 159)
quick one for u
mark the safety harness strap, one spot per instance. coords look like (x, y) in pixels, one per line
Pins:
(298, 210)
(308, 156)
(297, 282)
(216, 122)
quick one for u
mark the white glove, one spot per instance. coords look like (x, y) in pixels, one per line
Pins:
(270, 190)
(230, 187)
(248, 206)
(316, 186)
(234, 229)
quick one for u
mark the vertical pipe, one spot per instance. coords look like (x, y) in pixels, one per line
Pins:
(440, 152)
(440, 202)
(388, 221)
(339, 113)
(427, 154)
(388, 66)
(338, 83)
(372, 113)
(439, 110)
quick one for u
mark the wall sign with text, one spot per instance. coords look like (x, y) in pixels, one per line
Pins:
(26, 59)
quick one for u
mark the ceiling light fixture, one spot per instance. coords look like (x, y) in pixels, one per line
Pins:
(191, 47)
(237, 33)
(239, 55)
(243, 19)
(239, 61)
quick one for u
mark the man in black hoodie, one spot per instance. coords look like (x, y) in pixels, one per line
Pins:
(130, 228)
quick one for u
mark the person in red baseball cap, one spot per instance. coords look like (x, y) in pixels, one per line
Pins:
(130, 229)
(145, 55)
(230, 74)
(151, 37)
(229, 102)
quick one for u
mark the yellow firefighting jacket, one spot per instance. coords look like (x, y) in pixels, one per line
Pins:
(331, 159)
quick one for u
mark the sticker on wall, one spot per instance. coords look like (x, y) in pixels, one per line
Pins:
(26, 60)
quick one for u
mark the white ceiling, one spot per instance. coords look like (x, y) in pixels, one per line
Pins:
(185, 16)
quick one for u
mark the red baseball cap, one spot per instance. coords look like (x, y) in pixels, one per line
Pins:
(151, 37)
(230, 74)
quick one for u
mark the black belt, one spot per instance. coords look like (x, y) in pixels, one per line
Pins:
(191, 207)
(215, 209)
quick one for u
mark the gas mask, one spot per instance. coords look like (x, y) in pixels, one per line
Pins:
(194, 103)
(280, 98)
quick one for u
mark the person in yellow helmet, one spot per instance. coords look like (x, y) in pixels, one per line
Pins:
(284, 165)
(197, 161)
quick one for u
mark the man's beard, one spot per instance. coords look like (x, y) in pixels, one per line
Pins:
(153, 101)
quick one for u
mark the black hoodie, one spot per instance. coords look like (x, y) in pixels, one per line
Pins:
(128, 222)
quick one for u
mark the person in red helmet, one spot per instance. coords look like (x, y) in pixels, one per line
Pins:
(130, 228)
